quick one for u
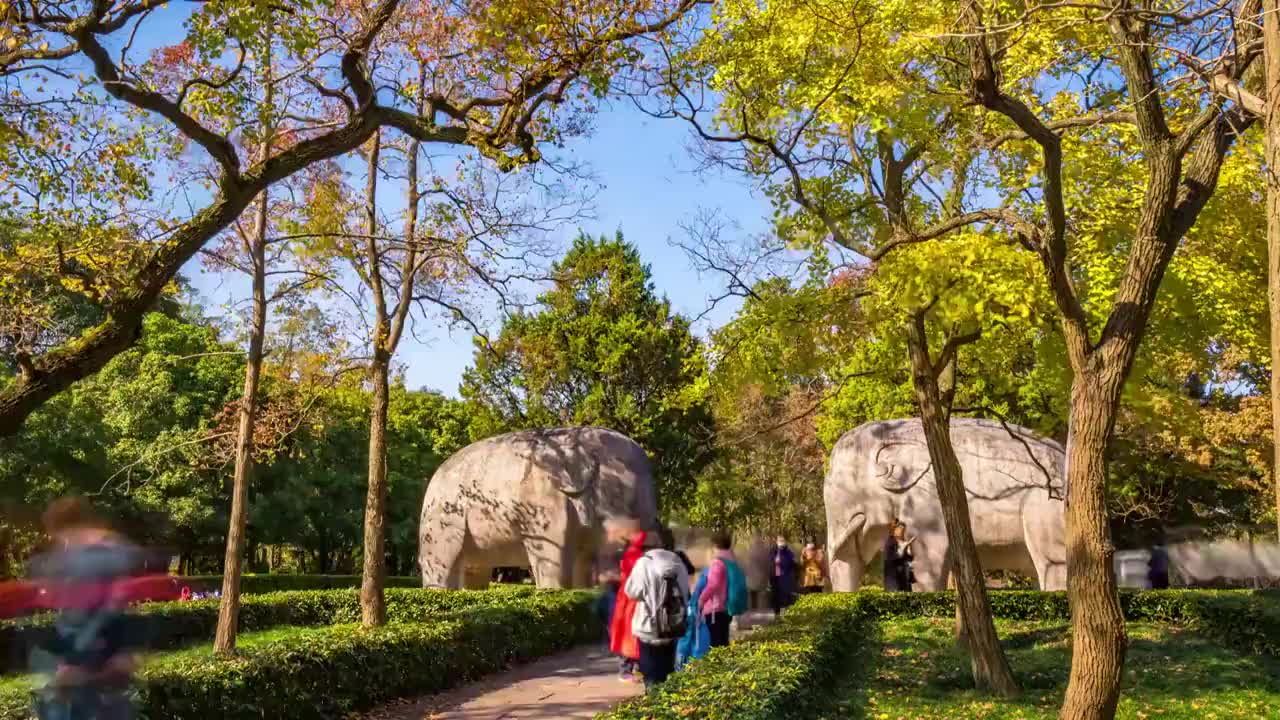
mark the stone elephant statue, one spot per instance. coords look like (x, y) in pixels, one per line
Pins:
(1014, 480)
(536, 498)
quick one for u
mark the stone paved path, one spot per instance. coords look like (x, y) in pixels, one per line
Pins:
(575, 684)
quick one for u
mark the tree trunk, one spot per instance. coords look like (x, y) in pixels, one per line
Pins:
(373, 610)
(388, 328)
(1099, 639)
(1271, 138)
(990, 667)
(229, 608)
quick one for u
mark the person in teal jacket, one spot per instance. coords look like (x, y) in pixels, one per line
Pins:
(696, 641)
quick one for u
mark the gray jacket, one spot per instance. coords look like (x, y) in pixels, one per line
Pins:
(643, 586)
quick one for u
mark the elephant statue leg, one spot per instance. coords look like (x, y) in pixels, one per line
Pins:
(552, 563)
(476, 577)
(846, 563)
(440, 555)
(843, 576)
(583, 562)
(846, 575)
(1051, 575)
(1051, 571)
(930, 564)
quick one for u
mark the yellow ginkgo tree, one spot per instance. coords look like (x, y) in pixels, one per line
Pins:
(1092, 136)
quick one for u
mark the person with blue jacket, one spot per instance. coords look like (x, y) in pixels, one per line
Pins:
(696, 642)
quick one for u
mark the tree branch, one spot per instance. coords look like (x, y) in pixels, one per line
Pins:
(218, 147)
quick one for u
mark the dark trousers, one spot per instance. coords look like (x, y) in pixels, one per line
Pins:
(810, 589)
(779, 596)
(718, 625)
(657, 662)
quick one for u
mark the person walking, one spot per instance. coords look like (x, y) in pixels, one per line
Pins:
(89, 653)
(782, 578)
(1158, 565)
(813, 569)
(622, 642)
(726, 592)
(609, 585)
(659, 585)
(696, 641)
(897, 558)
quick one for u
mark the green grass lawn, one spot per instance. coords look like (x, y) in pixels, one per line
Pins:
(1170, 673)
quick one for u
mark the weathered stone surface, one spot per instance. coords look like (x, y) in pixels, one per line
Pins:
(1014, 479)
(535, 498)
(1225, 562)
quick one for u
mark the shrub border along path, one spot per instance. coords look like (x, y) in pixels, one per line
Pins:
(788, 671)
(333, 671)
(172, 625)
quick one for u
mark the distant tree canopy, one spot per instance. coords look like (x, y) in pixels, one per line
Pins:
(602, 348)
(149, 438)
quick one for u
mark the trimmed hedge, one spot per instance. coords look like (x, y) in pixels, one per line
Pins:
(784, 671)
(1251, 617)
(169, 625)
(254, 584)
(333, 671)
(778, 672)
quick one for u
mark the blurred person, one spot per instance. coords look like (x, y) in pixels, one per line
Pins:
(88, 653)
(897, 558)
(696, 641)
(725, 595)
(609, 585)
(813, 569)
(669, 541)
(782, 576)
(1158, 565)
(622, 641)
(659, 585)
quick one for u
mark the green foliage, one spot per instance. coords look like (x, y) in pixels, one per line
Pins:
(259, 584)
(331, 671)
(789, 669)
(134, 433)
(775, 673)
(856, 156)
(150, 436)
(166, 625)
(603, 349)
(920, 672)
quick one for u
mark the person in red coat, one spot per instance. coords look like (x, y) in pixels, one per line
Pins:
(622, 641)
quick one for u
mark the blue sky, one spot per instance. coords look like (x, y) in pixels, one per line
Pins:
(649, 187)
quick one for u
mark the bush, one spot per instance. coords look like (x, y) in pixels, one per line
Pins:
(332, 671)
(254, 584)
(775, 673)
(169, 625)
(1251, 617)
(784, 670)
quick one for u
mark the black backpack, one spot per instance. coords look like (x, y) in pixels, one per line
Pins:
(670, 618)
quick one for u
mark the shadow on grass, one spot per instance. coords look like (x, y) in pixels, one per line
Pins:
(918, 671)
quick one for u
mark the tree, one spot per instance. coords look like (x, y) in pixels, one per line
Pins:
(1270, 112)
(137, 436)
(775, 365)
(603, 349)
(811, 113)
(254, 244)
(533, 55)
